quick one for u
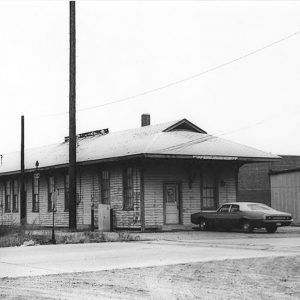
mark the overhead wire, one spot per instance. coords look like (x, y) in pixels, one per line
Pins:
(176, 82)
(207, 137)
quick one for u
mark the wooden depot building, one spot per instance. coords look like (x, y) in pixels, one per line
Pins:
(153, 177)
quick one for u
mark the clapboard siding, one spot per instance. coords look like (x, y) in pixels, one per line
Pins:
(122, 218)
(88, 190)
(156, 175)
(227, 192)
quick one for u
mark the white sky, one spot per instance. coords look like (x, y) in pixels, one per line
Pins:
(124, 48)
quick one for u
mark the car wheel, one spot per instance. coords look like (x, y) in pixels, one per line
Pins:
(247, 227)
(203, 225)
(271, 228)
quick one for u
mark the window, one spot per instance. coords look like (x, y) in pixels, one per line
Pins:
(51, 189)
(7, 196)
(15, 190)
(209, 192)
(128, 189)
(224, 208)
(105, 186)
(234, 208)
(67, 186)
(35, 192)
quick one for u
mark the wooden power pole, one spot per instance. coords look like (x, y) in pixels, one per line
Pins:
(22, 183)
(72, 121)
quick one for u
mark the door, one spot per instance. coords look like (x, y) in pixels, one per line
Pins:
(221, 217)
(171, 203)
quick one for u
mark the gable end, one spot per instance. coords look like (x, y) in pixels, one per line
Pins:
(185, 125)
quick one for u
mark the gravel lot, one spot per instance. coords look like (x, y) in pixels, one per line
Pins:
(259, 278)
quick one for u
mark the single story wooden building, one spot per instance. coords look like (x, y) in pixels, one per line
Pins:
(285, 192)
(153, 177)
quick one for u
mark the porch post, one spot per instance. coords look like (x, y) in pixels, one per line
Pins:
(142, 197)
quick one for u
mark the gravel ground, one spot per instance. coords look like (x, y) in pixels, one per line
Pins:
(257, 278)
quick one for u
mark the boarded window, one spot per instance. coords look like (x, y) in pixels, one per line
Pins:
(67, 187)
(7, 196)
(209, 192)
(51, 189)
(128, 189)
(105, 187)
(15, 196)
(35, 192)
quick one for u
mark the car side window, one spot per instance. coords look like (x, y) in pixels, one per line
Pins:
(224, 208)
(234, 208)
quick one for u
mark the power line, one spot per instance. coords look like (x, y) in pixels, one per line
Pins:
(208, 137)
(173, 83)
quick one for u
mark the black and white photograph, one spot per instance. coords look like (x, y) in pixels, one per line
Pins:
(149, 149)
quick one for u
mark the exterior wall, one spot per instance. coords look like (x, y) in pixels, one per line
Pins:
(285, 193)
(11, 217)
(254, 181)
(88, 190)
(156, 174)
(122, 218)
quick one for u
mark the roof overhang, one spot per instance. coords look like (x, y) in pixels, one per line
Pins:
(148, 155)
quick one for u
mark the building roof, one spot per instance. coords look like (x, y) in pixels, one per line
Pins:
(276, 172)
(177, 139)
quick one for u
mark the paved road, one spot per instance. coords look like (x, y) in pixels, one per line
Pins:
(55, 259)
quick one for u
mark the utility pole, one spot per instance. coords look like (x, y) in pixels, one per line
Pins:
(22, 192)
(72, 120)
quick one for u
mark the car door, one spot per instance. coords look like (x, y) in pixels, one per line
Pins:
(233, 216)
(221, 217)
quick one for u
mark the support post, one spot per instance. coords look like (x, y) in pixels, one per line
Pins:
(92, 216)
(22, 183)
(142, 197)
(72, 120)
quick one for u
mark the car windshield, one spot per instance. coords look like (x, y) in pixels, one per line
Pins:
(260, 207)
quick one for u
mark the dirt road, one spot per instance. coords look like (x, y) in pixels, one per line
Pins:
(259, 278)
(55, 259)
(173, 266)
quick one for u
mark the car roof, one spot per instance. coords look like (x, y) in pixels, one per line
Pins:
(242, 203)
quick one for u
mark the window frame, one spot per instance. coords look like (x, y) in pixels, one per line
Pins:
(128, 189)
(15, 196)
(213, 190)
(105, 186)
(7, 203)
(35, 196)
(49, 194)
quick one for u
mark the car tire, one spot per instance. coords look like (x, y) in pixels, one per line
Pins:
(203, 225)
(271, 228)
(247, 227)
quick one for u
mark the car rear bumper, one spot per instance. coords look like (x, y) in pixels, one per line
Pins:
(278, 223)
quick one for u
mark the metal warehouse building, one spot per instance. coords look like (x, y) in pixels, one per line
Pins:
(285, 192)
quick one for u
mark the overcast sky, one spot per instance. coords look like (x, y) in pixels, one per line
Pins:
(125, 48)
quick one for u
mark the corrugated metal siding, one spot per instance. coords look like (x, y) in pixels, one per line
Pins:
(285, 193)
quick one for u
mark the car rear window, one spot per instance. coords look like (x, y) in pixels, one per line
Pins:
(260, 207)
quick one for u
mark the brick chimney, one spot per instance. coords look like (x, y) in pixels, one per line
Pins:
(145, 120)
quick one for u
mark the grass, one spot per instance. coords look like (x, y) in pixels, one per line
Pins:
(16, 235)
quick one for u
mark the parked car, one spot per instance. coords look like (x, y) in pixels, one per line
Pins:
(243, 215)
